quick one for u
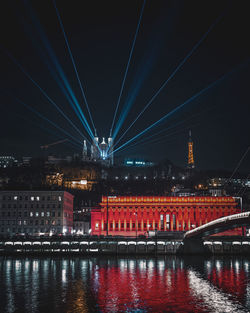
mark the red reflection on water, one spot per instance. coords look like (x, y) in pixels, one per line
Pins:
(231, 279)
(146, 287)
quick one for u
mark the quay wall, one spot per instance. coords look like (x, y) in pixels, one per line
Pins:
(125, 246)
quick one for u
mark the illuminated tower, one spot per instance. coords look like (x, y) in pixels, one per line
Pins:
(103, 149)
(110, 151)
(84, 151)
(95, 148)
(190, 152)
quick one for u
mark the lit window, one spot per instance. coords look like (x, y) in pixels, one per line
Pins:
(96, 225)
(32, 198)
(48, 213)
(37, 214)
(60, 198)
(37, 198)
(42, 214)
(15, 197)
(31, 213)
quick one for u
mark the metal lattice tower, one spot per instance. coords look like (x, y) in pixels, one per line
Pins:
(190, 152)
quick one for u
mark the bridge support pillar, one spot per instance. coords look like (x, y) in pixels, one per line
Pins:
(193, 246)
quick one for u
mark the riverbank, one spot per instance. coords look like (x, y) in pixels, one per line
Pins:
(127, 246)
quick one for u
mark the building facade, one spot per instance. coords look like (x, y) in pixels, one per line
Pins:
(132, 216)
(36, 212)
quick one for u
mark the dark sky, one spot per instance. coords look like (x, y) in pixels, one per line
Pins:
(100, 34)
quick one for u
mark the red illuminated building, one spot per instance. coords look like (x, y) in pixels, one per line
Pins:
(132, 216)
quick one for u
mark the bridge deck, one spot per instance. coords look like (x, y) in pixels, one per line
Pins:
(220, 225)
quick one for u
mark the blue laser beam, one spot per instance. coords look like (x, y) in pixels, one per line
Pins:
(71, 97)
(162, 138)
(172, 75)
(157, 141)
(174, 126)
(145, 66)
(45, 118)
(73, 62)
(138, 81)
(43, 92)
(155, 41)
(67, 95)
(52, 132)
(127, 67)
(150, 139)
(213, 84)
(52, 71)
(161, 131)
(61, 73)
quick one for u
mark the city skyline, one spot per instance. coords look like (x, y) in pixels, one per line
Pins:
(124, 156)
(167, 32)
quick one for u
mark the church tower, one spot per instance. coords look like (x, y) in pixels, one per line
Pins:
(85, 151)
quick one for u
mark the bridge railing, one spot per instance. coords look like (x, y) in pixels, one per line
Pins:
(218, 221)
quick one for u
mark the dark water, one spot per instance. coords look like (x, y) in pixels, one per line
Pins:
(167, 284)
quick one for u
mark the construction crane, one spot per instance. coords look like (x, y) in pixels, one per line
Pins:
(45, 147)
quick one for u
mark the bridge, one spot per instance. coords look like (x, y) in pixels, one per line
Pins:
(219, 225)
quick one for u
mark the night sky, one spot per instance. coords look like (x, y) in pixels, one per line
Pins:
(100, 34)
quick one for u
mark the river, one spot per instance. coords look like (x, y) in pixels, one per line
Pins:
(125, 284)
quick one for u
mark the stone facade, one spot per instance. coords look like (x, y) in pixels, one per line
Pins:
(36, 212)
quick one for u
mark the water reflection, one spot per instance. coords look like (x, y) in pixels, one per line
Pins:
(167, 284)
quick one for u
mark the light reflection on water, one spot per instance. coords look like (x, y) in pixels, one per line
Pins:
(165, 284)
